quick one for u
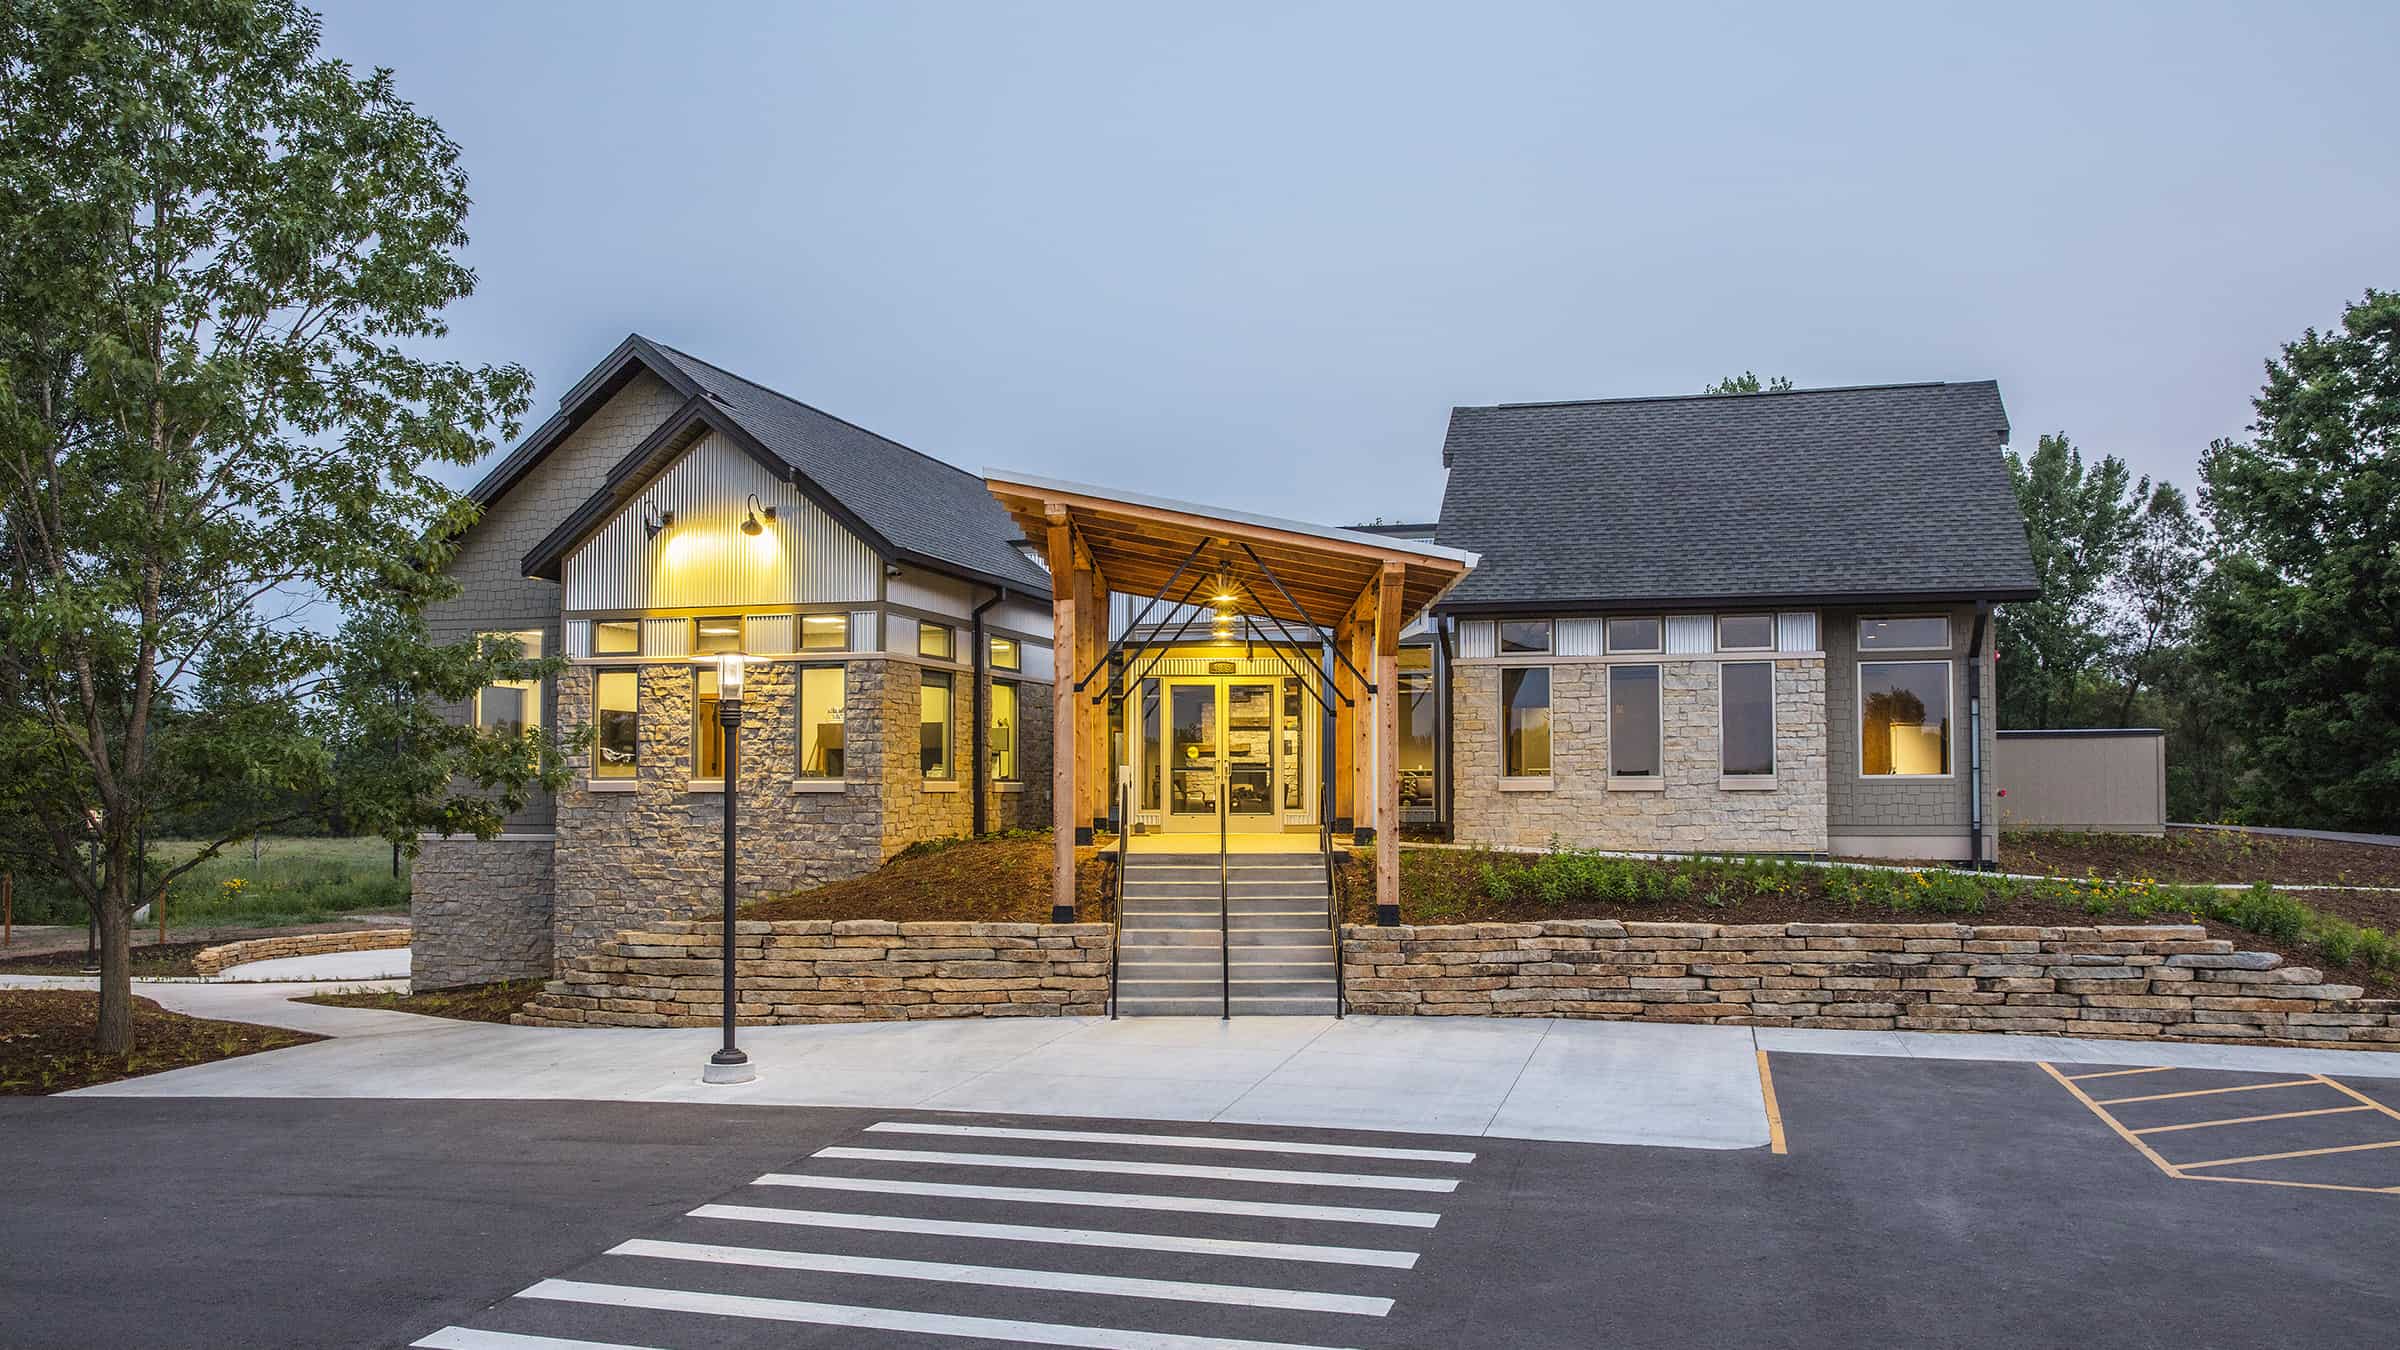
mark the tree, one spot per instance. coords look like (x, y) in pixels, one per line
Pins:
(2079, 523)
(217, 252)
(1747, 383)
(2156, 586)
(2300, 613)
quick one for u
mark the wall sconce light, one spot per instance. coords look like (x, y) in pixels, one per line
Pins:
(750, 525)
(655, 522)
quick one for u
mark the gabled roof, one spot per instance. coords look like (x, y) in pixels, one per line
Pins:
(907, 505)
(1862, 494)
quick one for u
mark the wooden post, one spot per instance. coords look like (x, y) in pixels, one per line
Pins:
(1362, 727)
(1346, 712)
(1091, 628)
(1387, 745)
(1066, 646)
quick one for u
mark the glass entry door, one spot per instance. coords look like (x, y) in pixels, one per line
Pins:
(1220, 747)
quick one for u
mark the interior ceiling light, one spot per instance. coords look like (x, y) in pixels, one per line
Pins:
(750, 525)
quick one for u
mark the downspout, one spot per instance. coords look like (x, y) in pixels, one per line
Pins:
(978, 736)
(1983, 613)
(1443, 656)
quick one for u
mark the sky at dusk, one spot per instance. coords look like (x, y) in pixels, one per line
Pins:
(1251, 254)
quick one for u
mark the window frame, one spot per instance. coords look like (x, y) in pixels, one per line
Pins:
(1774, 761)
(705, 671)
(800, 631)
(1858, 705)
(1608, 634)
(741, 634)
(599, 770)
(1549, 645)
(1608, 694)
(530, 642)
(949, 651)
(1858, 635)
(1773, 636)
(1549, 724)
(991, 652)
(949, 724)
(800, 769)
(600, 624)
(1016, 732)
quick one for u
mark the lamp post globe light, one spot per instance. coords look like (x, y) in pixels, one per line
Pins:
(729, 1064)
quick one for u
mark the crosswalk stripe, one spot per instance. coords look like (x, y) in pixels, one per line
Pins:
(468, 1338)
(1066, 1237)
(1187, 1204)
(1009, 1277)
(1370, 1181)
(1176, 1141)
(885, 1319)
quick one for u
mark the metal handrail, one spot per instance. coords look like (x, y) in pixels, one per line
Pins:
(1224, 906)
(1336, 891)
(1116, 932)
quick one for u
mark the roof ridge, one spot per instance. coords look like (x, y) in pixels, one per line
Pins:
(811, 407)
(1694, 398)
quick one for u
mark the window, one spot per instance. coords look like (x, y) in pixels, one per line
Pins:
(1746, 633)
(1524, 635)
(933, 725)
(1150, 759)
(1525, 721)
(616, 713)
(1006, 654)
(708, 739)
(1903, 718)
(1746, 719)
(1419, 717)
(616, 637)
(820, 719)
(1921, 633)
(1633, 635)
(1004, 732)
(720, 633)
(512, 707)
(824, 632)
(936, 641)
(1633, 730)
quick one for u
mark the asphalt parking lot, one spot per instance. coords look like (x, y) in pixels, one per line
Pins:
(1921, 1202)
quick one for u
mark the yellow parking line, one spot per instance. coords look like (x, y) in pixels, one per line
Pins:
(2245, 1120)
(2348, 1091)
(2127, 1135)
(2296, 1153)
(2116, 1073)
(1766, 1085)
(2209, 1092)
(2303, 1185)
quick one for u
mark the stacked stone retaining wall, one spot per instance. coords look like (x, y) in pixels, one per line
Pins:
(2141, 982)
(669, 974)
(215, 960)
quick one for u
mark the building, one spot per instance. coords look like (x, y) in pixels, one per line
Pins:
(1747, 623)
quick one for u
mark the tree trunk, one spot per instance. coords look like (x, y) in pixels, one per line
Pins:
(116, 961)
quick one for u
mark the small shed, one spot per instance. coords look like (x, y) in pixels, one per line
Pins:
(2097, 780)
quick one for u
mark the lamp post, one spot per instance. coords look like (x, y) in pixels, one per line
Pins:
(729, 1064)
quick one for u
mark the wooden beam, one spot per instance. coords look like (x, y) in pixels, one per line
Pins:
(1064, 724)
(1090, 638)
(1387, 744)
(1346, 712)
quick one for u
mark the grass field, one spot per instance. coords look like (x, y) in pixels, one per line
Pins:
(293, 881)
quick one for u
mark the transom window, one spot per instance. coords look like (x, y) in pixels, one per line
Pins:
(718, 633)
(936, 640)
(1746, 633)
(1006, 654)
(1635, 635)
(616, 637)
(1903, 718)
(1520, 636)
(824, 632)
(1910, 633)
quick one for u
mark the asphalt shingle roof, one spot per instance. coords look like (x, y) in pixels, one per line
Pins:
(1895, 490)
(916, 502)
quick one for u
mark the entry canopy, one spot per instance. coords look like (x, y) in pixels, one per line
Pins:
(1286, 569)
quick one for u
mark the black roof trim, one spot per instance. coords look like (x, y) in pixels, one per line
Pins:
(1643, 604)
(576, 406)
(1687, 398)
(2079, 733)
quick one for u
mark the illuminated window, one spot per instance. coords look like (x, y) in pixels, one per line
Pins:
(1918, 633)
(819, 716)
(936, 641)
(1004, 732)
(616, 713)
(1420, 715)
(616, 637)
(1903, 718)
(1150, 760)
(1520, 636)
(824, 632)
(708, 739)
(1525, 721)
(720, 633)
(1746, 718)
(1634, 635)
(512, 707)
(933, 725)
(1746, 633)
(1006, 654)
(1633, 728)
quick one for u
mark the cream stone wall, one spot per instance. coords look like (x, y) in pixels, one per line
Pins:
(1691, 810)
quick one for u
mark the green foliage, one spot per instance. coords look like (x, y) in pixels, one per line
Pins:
(224, 258)
(2079, 522)
(2299, 615)
(1748, 383)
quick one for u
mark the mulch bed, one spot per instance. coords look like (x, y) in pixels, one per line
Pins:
(1445, 886)
(467, 1003)
(46, 1041)
(1003, 879)
(2198, 856)
(154, 960)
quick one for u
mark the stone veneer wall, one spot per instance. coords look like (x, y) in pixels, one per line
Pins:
(481, 910)
(2170, 982)
(214, 960)
(860, 970)
(1693, 812)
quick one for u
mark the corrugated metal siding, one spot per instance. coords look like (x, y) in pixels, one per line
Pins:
(862, 630)
(1579, 637)
(768, 634)
(1796, 631)
(666, 637)
(1691, 634)
(1477, 637)
(579, 637)
(703, 559)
